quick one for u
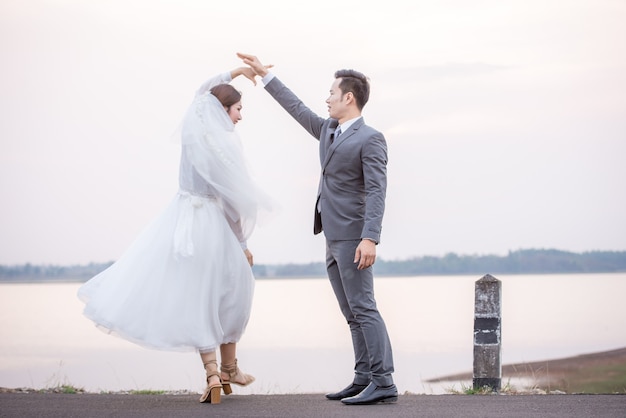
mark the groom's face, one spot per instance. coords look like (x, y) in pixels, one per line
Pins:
(336, 103)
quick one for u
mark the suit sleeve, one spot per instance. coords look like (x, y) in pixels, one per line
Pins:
(374, 160)
(294, 106)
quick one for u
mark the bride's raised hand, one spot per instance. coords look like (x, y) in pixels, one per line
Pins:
(249, 74)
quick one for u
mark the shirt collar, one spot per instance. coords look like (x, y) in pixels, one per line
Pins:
(344, 126)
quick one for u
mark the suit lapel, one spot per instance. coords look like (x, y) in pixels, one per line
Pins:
(325, 143)
(342, 138)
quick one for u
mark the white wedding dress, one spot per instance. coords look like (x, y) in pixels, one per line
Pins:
(185, 283)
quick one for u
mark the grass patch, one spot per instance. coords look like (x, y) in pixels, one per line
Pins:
(485, 390)
(147, 392)
(64, 388)
(69, 389)
(595, 373)
(596, 379)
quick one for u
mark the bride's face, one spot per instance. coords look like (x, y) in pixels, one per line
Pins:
(235, 112)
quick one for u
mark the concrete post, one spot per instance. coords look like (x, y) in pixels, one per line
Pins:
(487, 333)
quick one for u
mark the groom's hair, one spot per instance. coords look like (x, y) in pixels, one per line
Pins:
(226, 94)
(356, 83)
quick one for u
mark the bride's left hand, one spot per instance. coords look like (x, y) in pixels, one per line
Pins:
(249, 257)
(249, 74)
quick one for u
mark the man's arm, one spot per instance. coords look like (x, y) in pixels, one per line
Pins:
(308, 119)
(285, 97)
(375, 176)
(374, 166)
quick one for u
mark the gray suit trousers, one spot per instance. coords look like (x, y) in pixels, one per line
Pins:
(354, 290)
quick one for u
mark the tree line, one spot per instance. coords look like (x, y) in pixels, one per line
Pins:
(528, 261)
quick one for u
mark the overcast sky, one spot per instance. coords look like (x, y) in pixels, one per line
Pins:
(505, 120)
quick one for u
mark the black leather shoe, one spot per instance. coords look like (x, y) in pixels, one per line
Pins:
(374, 394)
(351, 390)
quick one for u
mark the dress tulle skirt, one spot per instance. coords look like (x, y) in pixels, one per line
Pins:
(184, 284)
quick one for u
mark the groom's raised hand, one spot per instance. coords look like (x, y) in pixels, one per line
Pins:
(255, 64)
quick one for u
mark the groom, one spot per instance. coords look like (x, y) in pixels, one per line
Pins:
(349, 209)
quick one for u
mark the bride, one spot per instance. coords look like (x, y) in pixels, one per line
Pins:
(186, 282)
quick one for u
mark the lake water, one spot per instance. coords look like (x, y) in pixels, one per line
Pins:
(298, 342)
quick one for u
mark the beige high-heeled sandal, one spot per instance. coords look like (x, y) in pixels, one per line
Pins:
(212, 393)
(232, 371)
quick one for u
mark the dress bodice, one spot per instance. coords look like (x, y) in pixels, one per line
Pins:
(189, 179)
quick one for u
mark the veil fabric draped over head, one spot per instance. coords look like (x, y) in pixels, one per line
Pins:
(213, 163)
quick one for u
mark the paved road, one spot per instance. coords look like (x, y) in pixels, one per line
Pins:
(24, 405)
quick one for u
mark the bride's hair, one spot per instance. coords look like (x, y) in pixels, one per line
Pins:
(226, 94)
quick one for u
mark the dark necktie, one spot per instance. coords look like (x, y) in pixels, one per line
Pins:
(336, 134)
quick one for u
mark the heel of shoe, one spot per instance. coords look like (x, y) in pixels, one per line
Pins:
(393, 399)
(212, 393)
(216, 393)
(227, 388)
(232, 371)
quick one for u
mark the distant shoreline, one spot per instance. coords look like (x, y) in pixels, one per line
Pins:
(68, 280)
(526, 261)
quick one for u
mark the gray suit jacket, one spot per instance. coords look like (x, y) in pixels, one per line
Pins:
(353, 181)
